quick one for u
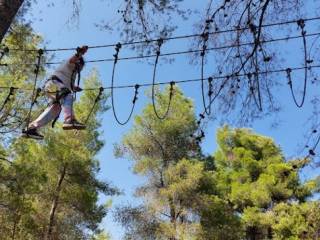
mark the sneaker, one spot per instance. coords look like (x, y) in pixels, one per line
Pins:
(31, 133)
(73, 124)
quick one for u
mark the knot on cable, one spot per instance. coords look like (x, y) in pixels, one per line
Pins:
(136, 92)
(38, 91)
(311, 152)
(252, 27)
(172, 84)
(11, 91)
(199, 138)
(40, 52)
(205, 36)
(210, 92)
(117, 48)
(288, 71)
(301, 23)
(160, 42)
(101, 89)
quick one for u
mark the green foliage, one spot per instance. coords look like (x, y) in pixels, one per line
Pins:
(164, 152)
(256, 181)
(49, 189)
(19, 73)
(153, 144)
(252, 171)
(218, 220)
(247, 190)
(296, 221)
(101, 236)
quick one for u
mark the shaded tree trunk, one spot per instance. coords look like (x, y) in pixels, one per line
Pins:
(55, 203)
(15, 225)
(8, 10)
(173, 218)
(14, 230)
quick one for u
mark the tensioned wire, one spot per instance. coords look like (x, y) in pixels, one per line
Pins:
(174, 37)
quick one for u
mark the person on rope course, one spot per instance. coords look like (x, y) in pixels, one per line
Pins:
(59, 88)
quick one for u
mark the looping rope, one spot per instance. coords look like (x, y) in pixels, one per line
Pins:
(135, 98)
(35, 91)
(205, 38)
(301, 24)
(172, 83)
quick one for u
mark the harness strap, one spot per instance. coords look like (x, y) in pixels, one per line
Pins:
(55, 78)
(62, 93)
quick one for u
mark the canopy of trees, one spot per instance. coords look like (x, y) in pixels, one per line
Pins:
(246, 190)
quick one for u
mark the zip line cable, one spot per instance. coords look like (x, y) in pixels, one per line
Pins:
(185, 80)
(174, 37)
(182, 52)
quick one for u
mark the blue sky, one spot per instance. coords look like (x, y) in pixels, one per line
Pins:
(51, 23)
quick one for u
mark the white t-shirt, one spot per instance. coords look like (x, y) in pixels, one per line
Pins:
(65, 73)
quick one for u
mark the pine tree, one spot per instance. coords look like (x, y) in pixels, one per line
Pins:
(164, 153)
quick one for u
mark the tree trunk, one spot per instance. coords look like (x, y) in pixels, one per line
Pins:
(173, 218)
(8, 10)
(14, 230)
(15, 224)
(55, 203)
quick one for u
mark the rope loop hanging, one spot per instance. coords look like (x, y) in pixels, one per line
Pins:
(116, 56)
(172, 83)
(35, 91)
(207, 108)
(301, 25)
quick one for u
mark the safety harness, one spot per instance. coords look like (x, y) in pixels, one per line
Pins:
(60, 94)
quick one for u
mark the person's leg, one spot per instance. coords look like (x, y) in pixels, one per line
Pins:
(67, 107)
(70, 121)
(49, 114)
